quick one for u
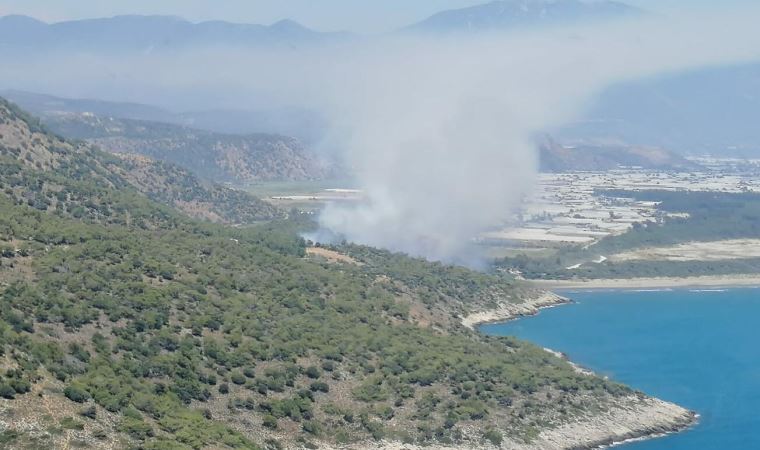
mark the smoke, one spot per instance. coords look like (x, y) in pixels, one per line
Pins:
(439, 131)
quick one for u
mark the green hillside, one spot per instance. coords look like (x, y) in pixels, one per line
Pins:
(74, 178)
(126, 324)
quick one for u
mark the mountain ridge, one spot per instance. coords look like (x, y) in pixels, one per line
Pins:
(151, 33)
(515, 14)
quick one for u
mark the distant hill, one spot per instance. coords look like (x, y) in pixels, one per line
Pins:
(555, 157)
(238, 159)
(42, 104)
(216, 145)
(305, 125)
(149, 34)
(710, 111)
(513, 14)
(78, 180)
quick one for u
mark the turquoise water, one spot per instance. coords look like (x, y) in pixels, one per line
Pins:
(699, 349)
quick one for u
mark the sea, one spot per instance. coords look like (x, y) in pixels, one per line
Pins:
(699, 348)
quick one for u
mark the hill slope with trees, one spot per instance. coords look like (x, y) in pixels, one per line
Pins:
(50, 173)
(126, 324)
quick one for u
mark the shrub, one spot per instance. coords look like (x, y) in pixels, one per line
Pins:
(313, 372)
(7, 391)
(371, 391)
(136, 428)
(319, 386)
(90, 412)
(270, 422)
(311, 427)
(76, 394)
(20, 386)
(493, 436)
(238, 378)
(376, 429)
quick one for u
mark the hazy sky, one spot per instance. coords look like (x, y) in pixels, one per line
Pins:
(352, 15)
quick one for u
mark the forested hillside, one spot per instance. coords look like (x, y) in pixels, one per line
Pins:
(126, 324)
(49, 173)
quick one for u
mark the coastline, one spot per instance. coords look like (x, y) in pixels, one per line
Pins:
(635, 418)
(507, 311)
(718, 281)
(631, 419)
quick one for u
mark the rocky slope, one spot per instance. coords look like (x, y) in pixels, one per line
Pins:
(222, 158)
(506, 311)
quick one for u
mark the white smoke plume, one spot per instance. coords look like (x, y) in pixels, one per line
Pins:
(439, 130)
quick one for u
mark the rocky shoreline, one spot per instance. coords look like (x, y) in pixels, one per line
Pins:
(636, 417)
(631, 418)
(506, 311)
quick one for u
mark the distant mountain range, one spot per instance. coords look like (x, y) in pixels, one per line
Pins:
(137, 33)
(149, 33)
(512, 14)
(710, 111)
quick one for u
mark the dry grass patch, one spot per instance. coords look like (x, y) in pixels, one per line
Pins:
(331, 256)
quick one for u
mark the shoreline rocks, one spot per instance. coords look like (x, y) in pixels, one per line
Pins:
(507, 311)
(636, 417)
(632, 418)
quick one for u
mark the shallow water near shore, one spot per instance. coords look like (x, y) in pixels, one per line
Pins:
(697, 348)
